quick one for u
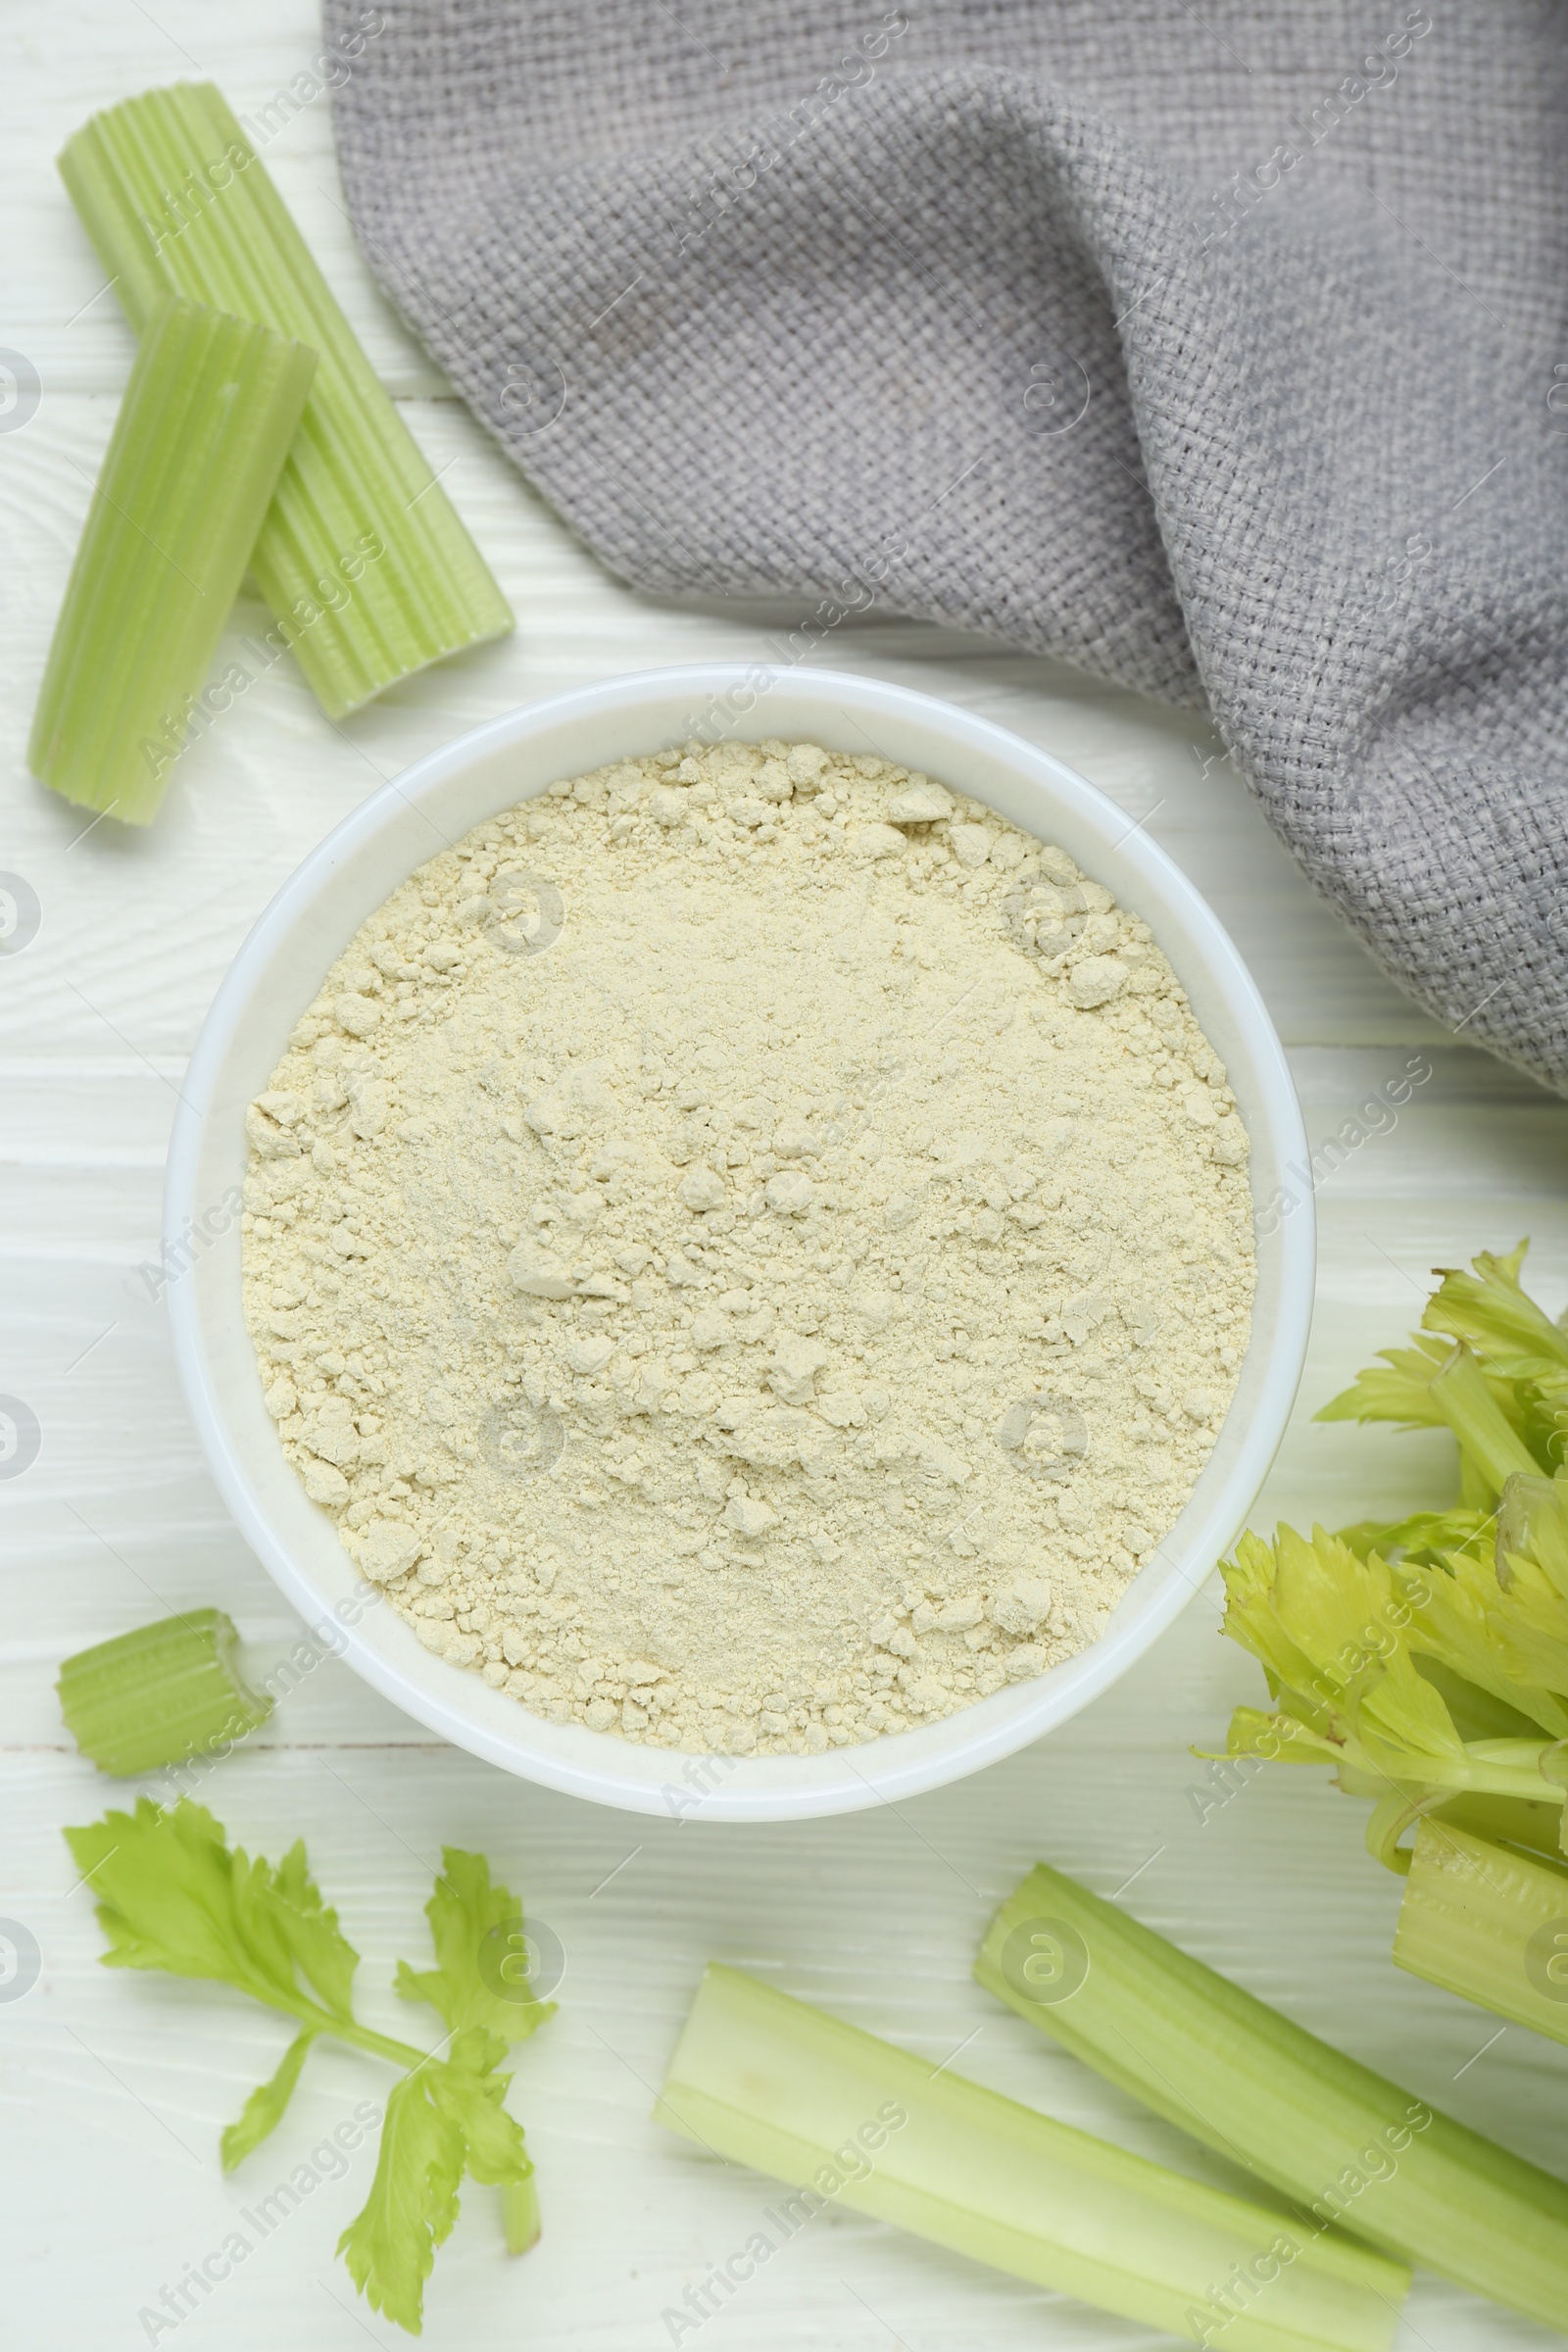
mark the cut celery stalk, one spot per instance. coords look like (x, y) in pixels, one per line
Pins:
(1344, 2143)
(211, 408)
(160, 1696)
(769, 2081)
(361, 554)
(520, 2213)
(1486, 1924)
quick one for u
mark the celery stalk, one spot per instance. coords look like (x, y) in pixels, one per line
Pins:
(520, 2213)
(159, 1695)
(1343, 2142)
(1488, 1923)
(1532, 1529)
(771, 2083)
(1534, 1828)
(362, 553)
(209, 412)
(1462, 1396)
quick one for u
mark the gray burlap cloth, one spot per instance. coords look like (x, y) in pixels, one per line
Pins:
(1222, 352)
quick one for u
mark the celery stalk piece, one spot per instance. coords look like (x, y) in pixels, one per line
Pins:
(1486, 1924)
(1344, 2143)
(520, 2213)
(770, 2082)
(362, 557)
(159, 1695)
(209, 412)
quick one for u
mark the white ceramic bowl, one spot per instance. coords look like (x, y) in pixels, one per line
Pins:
(275, 976)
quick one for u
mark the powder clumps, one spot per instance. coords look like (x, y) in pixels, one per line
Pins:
(751, 1249)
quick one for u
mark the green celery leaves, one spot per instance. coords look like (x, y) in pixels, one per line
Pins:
(1427, 1657)
(473, 1925)
(172, 1894)
(443, 2120)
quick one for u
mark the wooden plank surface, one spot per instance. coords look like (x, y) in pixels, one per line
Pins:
(113, 2087)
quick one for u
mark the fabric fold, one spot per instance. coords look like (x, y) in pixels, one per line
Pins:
(1216, 358)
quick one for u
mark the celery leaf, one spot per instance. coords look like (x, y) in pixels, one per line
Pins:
(291, 1902)
(1491, 1310)
(480, 1976)
(470, 2092)
(390, 2246)
(444, 2119)
(173, 1895)
(263, 2111)
(1425, 1537)
(1398, 1388)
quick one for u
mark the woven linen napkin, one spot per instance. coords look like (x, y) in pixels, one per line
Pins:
(1223, 353)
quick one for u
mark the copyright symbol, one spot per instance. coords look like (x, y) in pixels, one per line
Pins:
(20, 391)
(1044, 1961)
(522, 1963)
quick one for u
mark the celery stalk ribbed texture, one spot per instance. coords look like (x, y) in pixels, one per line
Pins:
(160, 1696)
(210, 411)
(1345, 2146)
(1488, 1924)
(846, 2118)
(362, 553)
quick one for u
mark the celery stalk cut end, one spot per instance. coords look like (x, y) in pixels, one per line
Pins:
(161, 1695)
(519, 2215)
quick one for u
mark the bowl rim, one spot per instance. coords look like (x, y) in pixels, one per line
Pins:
(877, 1771)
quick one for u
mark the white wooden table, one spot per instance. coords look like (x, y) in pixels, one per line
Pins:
(114, 2085)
